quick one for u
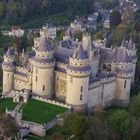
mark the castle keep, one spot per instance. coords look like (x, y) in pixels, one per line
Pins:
(81, 74)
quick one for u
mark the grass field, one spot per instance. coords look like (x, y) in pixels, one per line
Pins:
(41, 112)
(6, 103)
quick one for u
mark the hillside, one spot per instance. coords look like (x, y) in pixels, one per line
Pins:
(15, 12)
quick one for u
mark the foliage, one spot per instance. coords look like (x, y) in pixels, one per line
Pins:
(78, 35)
(98, 36)
(135, 106)
(118, 34)
(7, 127)
(109, 4)
(19, 11)
(115, 18)
(121, 122)
(79, 126)
(137, 26)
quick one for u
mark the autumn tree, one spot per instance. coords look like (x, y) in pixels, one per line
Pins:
(115, 18)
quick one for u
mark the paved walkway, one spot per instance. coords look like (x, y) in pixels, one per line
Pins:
(17, 108)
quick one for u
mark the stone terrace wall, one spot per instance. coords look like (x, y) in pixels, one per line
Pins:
(51, 101)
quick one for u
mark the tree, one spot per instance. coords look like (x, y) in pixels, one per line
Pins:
(78, 35)
(121, 122)
(2, 9)
(115, 18)
(137, 26)
(98, 36)
(7, 127)
(79, 126)
(135, 106)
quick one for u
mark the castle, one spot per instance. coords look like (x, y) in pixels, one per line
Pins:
(80, 74)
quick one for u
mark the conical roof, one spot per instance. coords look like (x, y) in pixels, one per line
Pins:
(122, 55)
(45, 45)
(80, 53)
(130, 44)
(10, 52)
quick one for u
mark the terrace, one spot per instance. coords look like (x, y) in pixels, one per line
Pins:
(40, 112)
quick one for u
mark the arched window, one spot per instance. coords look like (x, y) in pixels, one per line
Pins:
(125, 84)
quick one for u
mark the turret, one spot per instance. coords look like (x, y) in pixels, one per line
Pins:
(93, 53)
(68, 34)
(78, 72)
(8, 67)
(43, 68)
(86, 41)
(132, 52)
(122, 67)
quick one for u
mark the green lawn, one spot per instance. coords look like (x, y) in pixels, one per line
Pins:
(6, 103)
(41, 112)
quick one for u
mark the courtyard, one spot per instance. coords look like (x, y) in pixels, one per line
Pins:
(6, 103)
(41, 112)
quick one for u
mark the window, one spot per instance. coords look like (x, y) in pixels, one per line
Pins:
(36, 78)
(81, 88)
(71, 79)
(43, 87)
(125, 84)
(81, 97)
(36, 71)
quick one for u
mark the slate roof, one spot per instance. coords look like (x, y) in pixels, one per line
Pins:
(80, 53)
(63, 54)
(10, 52)
(45, 45)
(121, 55)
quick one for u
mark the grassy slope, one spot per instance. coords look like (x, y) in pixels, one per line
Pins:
(6, 103)
(40, 112)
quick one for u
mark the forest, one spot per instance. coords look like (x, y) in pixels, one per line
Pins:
(14, 12)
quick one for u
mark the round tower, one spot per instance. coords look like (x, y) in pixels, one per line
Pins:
(43, 68)
(8, 67)
(78, 72)
(124, 75)
(123, 69)
(132, 52)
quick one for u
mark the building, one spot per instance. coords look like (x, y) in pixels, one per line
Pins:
(106, 24)
(78, 73)
(50, 30)
(16, 31)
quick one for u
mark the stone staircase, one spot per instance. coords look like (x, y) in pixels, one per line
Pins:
(17, 108)
(24, 131)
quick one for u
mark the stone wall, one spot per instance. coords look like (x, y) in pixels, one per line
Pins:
(51, 101)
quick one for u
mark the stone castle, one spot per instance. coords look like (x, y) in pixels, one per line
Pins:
(81, 74)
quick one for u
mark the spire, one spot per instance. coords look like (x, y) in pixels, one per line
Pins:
(130, 44)
(123, 42)
(10, 52)
(45, 45)
(122, 55)
(23, 52)
(80, 53)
